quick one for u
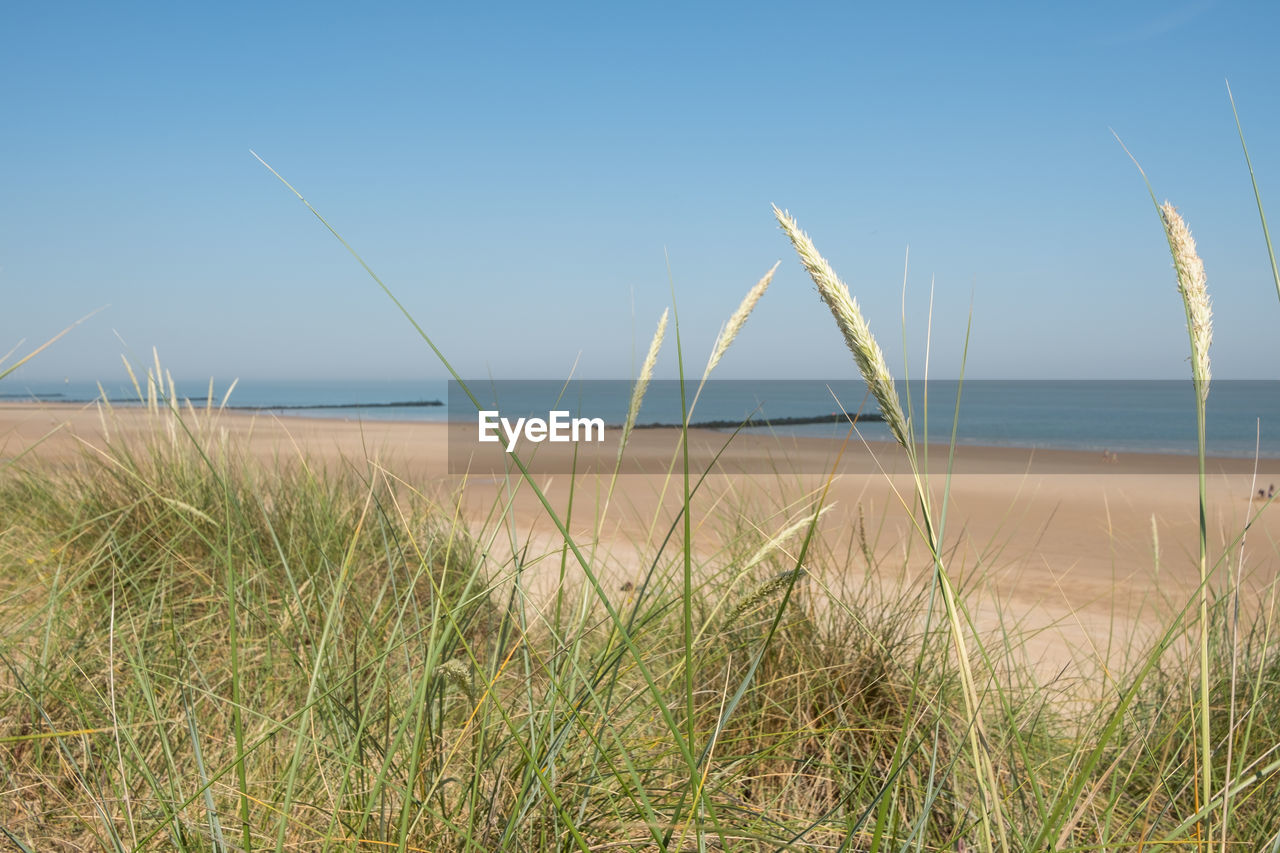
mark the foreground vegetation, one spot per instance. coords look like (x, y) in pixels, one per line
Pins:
(203, 652)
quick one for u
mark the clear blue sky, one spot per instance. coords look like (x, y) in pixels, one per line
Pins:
(520, 174)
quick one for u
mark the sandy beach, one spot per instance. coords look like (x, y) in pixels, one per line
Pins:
(1060, 542)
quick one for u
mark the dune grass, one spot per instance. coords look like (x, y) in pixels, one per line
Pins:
(205, 651)
(202, 650)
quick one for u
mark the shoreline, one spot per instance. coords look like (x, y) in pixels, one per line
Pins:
(1028, 459)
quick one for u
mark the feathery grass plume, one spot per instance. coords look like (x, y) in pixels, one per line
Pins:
(226, 396)
(762, 593)
(1195, 298)
(761, 554)
(1155, 545)
(857, 334)
(642, 383)
(132, 378)
(776, 541)
(458, 674)
(871, 363)
(1191, 284)
(173, 390)
(739, 318)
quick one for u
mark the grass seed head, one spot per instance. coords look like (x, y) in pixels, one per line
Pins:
(458, 674)
(738, 320)
(642, 383)
(857, 334)
(762, 593)
(1195, 296)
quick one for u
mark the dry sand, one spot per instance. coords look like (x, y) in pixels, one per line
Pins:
(1059, 542)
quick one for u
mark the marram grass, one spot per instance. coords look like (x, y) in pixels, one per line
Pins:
(1195, 301)
(435, 724)
(853, 326)
(875, 372)
(1195, 293)
(737, 320)
(642, 381)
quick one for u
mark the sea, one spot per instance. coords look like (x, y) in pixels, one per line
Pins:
(1154, 416)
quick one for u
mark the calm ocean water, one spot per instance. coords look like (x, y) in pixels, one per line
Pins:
(1132, 416)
